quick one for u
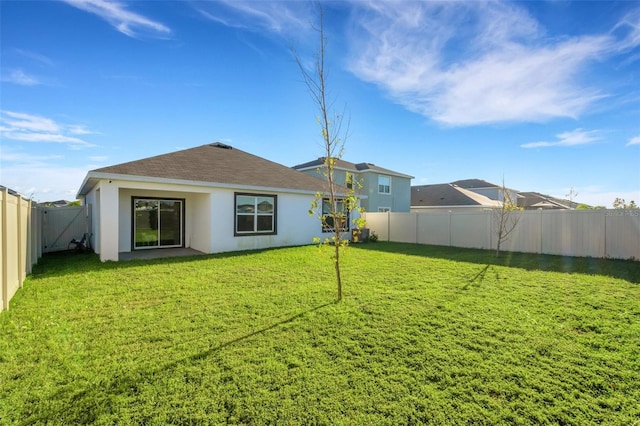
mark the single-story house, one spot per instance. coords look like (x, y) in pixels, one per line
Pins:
(211, 198)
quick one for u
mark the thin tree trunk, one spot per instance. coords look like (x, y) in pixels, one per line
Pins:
(338, 277)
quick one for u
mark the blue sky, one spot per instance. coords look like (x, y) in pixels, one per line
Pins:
(544, 94)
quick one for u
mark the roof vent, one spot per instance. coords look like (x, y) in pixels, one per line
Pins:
(220, 145)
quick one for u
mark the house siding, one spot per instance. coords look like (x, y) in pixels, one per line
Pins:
(398, 201)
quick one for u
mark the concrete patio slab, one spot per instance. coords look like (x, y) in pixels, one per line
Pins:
(158, 253)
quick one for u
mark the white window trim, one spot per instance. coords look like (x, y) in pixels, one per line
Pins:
(255, 214)
(346, 227)
(388, 177)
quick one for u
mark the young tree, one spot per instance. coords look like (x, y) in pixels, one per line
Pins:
(571, 195)
(620, 203)
(333, 207)
(506, 217)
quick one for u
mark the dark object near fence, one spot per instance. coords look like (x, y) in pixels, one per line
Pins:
(360, 235)
(83, 245)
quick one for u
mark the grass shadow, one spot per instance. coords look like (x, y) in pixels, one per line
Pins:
(89, 404)
(58, 264)
(477, 279)
(628, 270)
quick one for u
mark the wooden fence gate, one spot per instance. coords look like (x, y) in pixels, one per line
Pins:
(62, 224)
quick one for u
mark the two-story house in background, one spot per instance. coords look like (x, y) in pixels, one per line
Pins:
(382, 189)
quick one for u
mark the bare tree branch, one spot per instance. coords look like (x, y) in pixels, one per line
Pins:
(506, 217)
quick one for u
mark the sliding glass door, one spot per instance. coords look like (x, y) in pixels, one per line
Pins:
(157, 223)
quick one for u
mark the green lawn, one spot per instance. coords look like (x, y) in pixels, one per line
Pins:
(423, 335)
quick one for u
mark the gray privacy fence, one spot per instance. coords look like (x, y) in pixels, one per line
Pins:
(589, 233)
(62, 224)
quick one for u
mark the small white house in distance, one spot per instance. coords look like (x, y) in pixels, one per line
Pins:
(212, 198)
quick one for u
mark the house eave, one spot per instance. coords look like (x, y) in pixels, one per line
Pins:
(93, 178)
(356, 171)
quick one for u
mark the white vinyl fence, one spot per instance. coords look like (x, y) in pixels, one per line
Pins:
(589, 233)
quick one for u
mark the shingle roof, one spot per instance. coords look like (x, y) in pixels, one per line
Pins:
(474, 183)
(444, 194)
(214, 163)
(353, 167)
(537, 200)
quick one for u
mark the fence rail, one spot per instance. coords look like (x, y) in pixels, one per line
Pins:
(585, 233)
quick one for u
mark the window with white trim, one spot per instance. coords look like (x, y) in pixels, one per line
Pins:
(255, 214)
(342, 216)
(384, 184)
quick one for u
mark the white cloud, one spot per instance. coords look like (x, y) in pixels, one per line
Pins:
(78, 129)
(42, 137)
(42, 177)
(116, 14)
(19, 126)
(572, 138)
(19, 77)
(634, 141)
(469, 63)
(20, 121)
(45, 182)
(273, 16)
(41, 59)
(17, 156)
(458, 63)
(629, 28)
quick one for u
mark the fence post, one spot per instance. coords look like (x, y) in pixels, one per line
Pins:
(388, 225)
(604, 214)
(5, 261)
(541, 231)
(449, 228)
(20, 244)
(27, 262)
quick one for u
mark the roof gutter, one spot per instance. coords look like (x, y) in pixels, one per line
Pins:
(149, 179)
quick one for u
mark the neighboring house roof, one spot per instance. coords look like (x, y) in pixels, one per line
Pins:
(214, 163)
(535, 200)
(58, 203)
(462, 193)
(474, 184)
(351, 167)
(447, 195)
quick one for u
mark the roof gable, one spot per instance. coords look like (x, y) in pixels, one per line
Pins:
(214, 163)
(445, 195)
(538, 200)
(351, 167)
(474, 184)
